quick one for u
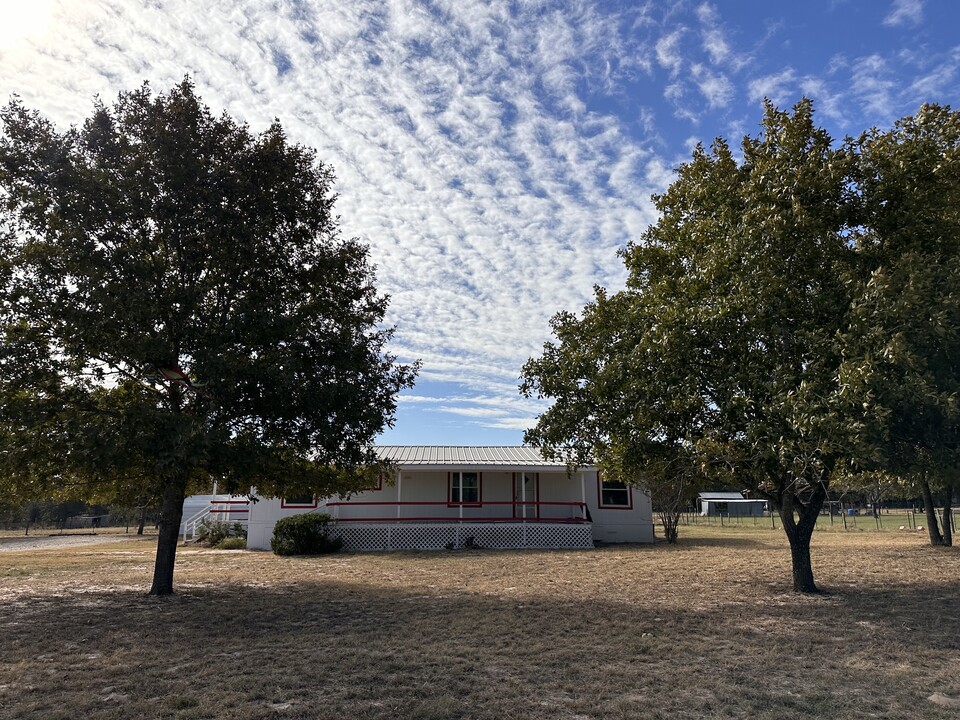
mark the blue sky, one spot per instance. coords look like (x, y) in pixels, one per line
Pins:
(494, 155)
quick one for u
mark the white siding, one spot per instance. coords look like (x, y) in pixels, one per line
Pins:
(422, 481)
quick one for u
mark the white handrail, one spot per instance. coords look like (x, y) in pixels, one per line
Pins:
(216, 509)
(190, 524)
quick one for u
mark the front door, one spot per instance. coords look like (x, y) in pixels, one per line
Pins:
(526, 493)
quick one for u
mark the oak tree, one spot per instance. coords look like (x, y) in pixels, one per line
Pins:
(721, 355)
(903, 344)
(177, 305)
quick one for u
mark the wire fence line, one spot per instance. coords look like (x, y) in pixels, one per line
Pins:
(896, 519)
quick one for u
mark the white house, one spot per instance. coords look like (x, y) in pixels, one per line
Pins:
(491, 497)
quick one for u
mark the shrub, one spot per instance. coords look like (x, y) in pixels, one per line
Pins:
(232, 543)
(307, 534)
(211, 533)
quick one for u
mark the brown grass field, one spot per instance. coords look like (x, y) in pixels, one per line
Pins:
(705, 629)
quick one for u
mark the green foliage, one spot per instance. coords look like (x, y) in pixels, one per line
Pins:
(306, 534)
(904, 338)
(232, 543)
(792, 315)
(48, 513)
(749, 344)
(177, 304)
(213, 532)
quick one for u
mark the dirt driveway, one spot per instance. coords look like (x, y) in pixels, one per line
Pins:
(57, 542)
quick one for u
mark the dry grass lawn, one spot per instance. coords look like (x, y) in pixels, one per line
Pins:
(706, 629)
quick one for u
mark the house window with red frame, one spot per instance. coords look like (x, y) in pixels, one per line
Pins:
(464, 488)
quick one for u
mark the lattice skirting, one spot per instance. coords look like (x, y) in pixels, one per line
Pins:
(450, 536)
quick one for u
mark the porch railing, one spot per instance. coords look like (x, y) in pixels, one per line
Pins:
(578, 511)
(229, 511)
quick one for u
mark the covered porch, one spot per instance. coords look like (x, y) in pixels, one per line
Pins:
(450, 498)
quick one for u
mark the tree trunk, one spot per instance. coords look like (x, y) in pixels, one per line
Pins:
(143, 519)
(799, 533)
(171, 512)
(802, 567)
(671, 521)
(947, 519)
(932, 529)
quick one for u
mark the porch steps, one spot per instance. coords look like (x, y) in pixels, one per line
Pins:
(233, 509)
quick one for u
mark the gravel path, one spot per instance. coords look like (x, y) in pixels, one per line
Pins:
(57, 542)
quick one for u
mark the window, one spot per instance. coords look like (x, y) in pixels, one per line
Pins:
(464, 488)
(614, 494)
(299, 501)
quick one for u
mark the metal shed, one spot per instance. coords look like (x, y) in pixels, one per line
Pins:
(713, 504)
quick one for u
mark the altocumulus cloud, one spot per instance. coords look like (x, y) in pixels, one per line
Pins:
(490, 195)
(495, 154)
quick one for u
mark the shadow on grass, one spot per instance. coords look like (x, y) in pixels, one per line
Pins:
(722, 541)
(346, 649)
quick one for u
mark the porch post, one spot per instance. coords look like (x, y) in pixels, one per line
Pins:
(583, 495)
(523, 493)
(399, 506)
(523, 499)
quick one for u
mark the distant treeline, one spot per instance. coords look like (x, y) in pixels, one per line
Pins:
(63, 514)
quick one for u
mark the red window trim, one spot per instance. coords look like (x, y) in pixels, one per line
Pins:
(450, 501)
(628, 506)
(536, 487)
(285, 505)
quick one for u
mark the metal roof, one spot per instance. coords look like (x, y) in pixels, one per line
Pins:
(503, 456)
(721, 496)
(734, 501)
